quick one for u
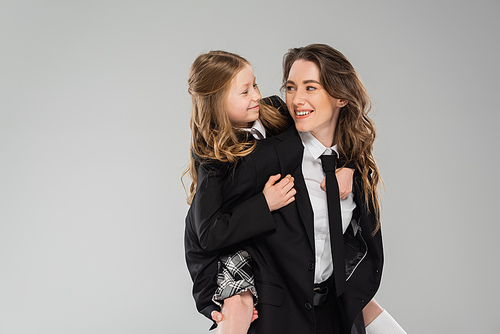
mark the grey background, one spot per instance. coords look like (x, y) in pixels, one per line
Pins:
(94, 136)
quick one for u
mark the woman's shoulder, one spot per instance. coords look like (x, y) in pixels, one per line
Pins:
(274, 101)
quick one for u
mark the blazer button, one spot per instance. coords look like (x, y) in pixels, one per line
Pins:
(310, 266)
(308, 306)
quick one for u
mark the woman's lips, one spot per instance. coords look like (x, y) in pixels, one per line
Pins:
(303, 113)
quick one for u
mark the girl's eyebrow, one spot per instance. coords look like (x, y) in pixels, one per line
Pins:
(244, 86)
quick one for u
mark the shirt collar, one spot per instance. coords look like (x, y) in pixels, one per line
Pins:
(314, 146)
(257, 125)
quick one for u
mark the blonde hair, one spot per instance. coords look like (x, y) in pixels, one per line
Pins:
(212, 135)
(355, 132)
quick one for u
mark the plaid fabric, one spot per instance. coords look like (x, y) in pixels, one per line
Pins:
(235, 276)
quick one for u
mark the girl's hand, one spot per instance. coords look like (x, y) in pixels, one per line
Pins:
(279, 194)
(344, 179)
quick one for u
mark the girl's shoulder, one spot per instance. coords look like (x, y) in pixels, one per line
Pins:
(211, 166)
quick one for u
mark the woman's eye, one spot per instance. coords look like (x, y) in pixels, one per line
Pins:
(310, 88)
(290, 88)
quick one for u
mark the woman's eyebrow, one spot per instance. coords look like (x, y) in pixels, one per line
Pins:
(311, 81)
(304, 82)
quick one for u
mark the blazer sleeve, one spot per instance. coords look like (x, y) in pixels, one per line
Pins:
(203, 269)
(218, 226)
(210, 227)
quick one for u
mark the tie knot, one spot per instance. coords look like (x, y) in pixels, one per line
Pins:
(328, 162)
(256, 133)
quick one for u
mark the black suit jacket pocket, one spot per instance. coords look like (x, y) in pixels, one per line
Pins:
(269, 293)
(355, 249)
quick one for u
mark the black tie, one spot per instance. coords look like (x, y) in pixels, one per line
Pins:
(256, 134)
(336, 236)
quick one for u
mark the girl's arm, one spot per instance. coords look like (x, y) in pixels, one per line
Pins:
(206, 216)
(344, 179)
(220, 222)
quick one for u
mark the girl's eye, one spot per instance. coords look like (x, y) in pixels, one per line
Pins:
(255, 85)
(245, 92)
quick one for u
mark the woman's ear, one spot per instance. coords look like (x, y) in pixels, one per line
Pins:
(342, 103)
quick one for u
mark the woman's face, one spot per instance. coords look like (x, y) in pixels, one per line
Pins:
(242, 102)
(310, 105)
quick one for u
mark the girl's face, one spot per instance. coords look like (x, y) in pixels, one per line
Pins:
(242, 102)
(310, 105)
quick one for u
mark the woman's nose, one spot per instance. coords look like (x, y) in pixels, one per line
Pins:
(298, 98)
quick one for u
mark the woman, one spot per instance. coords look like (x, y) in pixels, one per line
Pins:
(330, 106)
(316, 127)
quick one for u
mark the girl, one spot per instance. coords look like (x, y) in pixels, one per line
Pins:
(226, 107)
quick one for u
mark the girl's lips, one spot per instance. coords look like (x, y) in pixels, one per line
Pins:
(254, 108)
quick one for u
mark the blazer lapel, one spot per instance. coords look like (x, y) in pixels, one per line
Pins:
(290, 153)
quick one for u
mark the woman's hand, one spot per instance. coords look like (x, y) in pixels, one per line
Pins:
(236, 315)
(218, 317)
(279, 194)
(344, 179)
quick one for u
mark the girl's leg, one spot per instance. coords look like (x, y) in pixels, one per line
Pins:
(371, 311)
(379, 321)
(237, 314)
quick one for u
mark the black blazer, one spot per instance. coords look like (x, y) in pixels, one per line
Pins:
(281, 244)
(225, 210)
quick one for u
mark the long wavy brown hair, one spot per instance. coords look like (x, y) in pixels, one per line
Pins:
(355, 132)
(212, 135)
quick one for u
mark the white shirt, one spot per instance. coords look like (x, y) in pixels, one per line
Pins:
(257, 130)
(313, 176)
